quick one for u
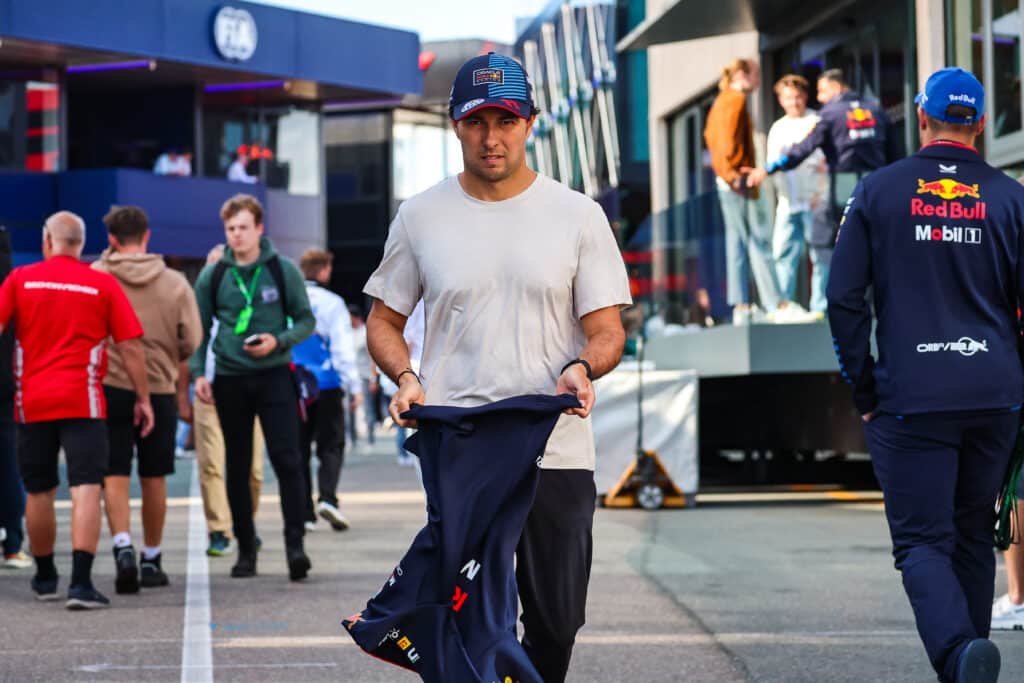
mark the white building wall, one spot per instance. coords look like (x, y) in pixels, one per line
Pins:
(677, 73)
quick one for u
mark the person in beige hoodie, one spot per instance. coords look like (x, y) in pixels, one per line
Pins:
(166, 306)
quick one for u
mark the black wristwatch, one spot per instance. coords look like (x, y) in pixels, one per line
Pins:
(580, 361)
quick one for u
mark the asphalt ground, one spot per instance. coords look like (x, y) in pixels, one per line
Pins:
(788, 588)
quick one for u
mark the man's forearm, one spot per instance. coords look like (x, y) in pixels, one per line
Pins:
(603, 351)
(135, 364)
(387, 347)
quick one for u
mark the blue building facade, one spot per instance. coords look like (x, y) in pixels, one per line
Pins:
(93, 94)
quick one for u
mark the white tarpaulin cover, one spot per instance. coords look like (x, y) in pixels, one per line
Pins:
(670, 424)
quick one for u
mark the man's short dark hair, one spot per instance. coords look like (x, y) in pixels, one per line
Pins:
(128, 224)
(958, 111)
(834, 75)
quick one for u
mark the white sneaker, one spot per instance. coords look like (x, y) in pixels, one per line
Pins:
(740, 315)
(794, 313)
(1007, 616)
(310, 526)
(757, 315)
(333, 516)
(19, 560)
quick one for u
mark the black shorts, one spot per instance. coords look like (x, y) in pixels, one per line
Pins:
(85, 449)
(156, 451)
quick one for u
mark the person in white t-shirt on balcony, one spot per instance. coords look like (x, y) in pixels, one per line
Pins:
(798, 192)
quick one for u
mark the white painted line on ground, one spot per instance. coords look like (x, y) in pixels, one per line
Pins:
(196, 651)
(354, 498)
(199, 670)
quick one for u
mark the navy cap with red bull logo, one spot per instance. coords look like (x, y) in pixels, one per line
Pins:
(491, 80)
(952, 86)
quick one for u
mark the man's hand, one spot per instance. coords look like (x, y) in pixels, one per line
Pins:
(867, 417)
(204, 392)
(356, 401)
(264, 347)
(755, 176)
(410, 391)
(143, 417)
(574, 381)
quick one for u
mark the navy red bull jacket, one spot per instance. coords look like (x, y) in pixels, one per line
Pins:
(853, 134)
(448, 610)
(940, 238)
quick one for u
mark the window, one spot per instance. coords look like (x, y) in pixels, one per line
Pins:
(29, 126)
(278, 145)
(1005, 86)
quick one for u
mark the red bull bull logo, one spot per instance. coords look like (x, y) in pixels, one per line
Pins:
(859, 117)
(947, 188)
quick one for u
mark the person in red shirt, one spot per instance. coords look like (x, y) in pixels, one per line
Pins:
(63, 313)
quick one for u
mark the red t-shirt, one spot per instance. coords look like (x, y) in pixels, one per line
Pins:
(63, 312)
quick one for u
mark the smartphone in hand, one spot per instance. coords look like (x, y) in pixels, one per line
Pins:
(252, 340)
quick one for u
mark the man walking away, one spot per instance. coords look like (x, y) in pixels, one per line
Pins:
(253, 292)
(64, 313)
(941, 404)
(165, 305)
(328, 354)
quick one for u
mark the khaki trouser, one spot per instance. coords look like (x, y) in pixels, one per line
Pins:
(210, 456)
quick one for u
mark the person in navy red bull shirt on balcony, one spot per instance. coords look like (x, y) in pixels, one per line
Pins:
(940, 238)
(521, 282)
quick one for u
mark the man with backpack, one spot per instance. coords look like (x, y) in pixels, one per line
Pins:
(260, 302)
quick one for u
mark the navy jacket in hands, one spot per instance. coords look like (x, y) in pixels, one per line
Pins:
(940, 238)
(448, 611)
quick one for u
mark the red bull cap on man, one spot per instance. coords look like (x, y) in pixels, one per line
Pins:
(491, 80)
(952, 86)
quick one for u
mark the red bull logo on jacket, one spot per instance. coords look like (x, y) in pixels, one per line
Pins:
(858, 118)
(947, 188)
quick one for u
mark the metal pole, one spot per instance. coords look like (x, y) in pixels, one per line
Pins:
(605, 101)
(559, 104)
(542, 126)
(575, 99)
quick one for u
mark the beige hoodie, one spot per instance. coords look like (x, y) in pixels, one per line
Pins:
(166, 306)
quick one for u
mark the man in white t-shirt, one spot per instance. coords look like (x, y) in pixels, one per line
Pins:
(798, 192)
(522, 283)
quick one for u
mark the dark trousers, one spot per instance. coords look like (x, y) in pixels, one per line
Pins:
(325, 425)
(12, 492)
(940, 474)
(269, 394)
(553, 568)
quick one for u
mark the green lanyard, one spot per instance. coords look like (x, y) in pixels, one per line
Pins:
(245, 316)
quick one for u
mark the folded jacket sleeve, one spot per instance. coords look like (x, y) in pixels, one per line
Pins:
(848, 312)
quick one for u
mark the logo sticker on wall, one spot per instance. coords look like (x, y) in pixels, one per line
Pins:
(235, 34)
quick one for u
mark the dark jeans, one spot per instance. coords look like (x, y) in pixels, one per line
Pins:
(553, 568)
(12, 492)
(325, 425)
(940, 474)
(269, 394)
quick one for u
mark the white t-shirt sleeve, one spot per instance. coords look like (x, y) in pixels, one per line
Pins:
(396, 282)
(600, 279)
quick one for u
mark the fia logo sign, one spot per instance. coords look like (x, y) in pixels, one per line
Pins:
(235, 34)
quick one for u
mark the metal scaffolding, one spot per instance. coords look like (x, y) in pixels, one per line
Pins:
(575, 139)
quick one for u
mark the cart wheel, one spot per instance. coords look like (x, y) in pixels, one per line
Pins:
(650, 497)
